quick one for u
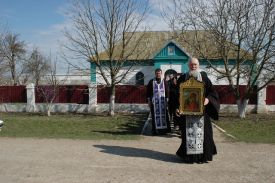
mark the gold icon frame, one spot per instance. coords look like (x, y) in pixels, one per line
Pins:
(191, 97)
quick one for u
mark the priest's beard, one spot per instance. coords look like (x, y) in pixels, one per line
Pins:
(194, 73)
(158, 80)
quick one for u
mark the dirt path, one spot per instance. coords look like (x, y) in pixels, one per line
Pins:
(151, 159)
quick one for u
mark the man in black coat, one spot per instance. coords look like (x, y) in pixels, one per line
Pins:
(211, 109)
(157, 97)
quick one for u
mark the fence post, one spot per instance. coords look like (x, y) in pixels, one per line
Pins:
(261, 106)
(92, 98)
(30, 98)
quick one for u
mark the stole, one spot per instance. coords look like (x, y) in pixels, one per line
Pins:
(194, 134)
(159, 104)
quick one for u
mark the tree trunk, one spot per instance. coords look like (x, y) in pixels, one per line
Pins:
(242, 104)
(112, 101)
(49, 110)
(13, 74)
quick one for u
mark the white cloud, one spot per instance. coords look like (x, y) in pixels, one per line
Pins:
(155, 19)
(161, 5)
(156, 23)
(49, 41)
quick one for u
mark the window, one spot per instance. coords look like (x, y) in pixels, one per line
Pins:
(171, 50)
(139, 78)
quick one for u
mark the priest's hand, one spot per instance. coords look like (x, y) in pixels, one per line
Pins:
(177, 113)
(206, 101)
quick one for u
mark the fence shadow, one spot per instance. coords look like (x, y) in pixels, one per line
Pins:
(137, 152)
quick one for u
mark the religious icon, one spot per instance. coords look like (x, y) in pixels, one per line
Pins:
(191, 97)
(171, 50)
(191, 102)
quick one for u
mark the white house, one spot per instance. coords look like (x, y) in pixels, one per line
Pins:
(167, 51)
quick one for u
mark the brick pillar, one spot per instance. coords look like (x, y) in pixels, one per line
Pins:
(30, 98)
(261, 106)
(92, 98)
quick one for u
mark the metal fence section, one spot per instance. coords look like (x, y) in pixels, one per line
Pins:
(226, 95)
(13, 94)
(130, 94)
(62, 94)
(270, 95)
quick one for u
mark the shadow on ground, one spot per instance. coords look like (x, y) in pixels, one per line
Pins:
(137, 152)
(132, 127)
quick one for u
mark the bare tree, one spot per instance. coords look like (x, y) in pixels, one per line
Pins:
(12, 51)
(240, 33)
(36, 66)
(3, 68)
(50, 91)
(105, 34)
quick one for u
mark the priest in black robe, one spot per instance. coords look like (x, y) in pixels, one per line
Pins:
(211, 109)
(151, 93)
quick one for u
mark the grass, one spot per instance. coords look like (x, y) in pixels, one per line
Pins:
(255, 128)
(72, 126)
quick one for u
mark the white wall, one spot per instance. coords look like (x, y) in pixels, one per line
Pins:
(70, 79)
(130, 79)
(213, 76)
(165, 67)
(148, 72)
(83, 108)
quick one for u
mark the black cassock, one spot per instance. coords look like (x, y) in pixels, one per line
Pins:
(210, 111)
(149, 95)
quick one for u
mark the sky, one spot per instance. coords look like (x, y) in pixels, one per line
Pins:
(40, 23)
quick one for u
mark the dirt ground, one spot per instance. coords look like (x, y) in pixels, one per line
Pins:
(151, 159)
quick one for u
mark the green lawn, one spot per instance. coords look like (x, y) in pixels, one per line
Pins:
(73, 126)
(256, 128)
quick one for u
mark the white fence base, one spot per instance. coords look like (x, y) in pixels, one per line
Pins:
(101, 108)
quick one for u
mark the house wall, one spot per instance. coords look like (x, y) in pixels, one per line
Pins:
(130, 79)
(214, 76)
(148, 72)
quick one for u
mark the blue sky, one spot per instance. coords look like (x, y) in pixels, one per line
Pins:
(25, 15)
(36, 21)
(40, 22)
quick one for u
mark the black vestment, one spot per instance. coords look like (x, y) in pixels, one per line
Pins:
(210, 111)
(149, 95)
